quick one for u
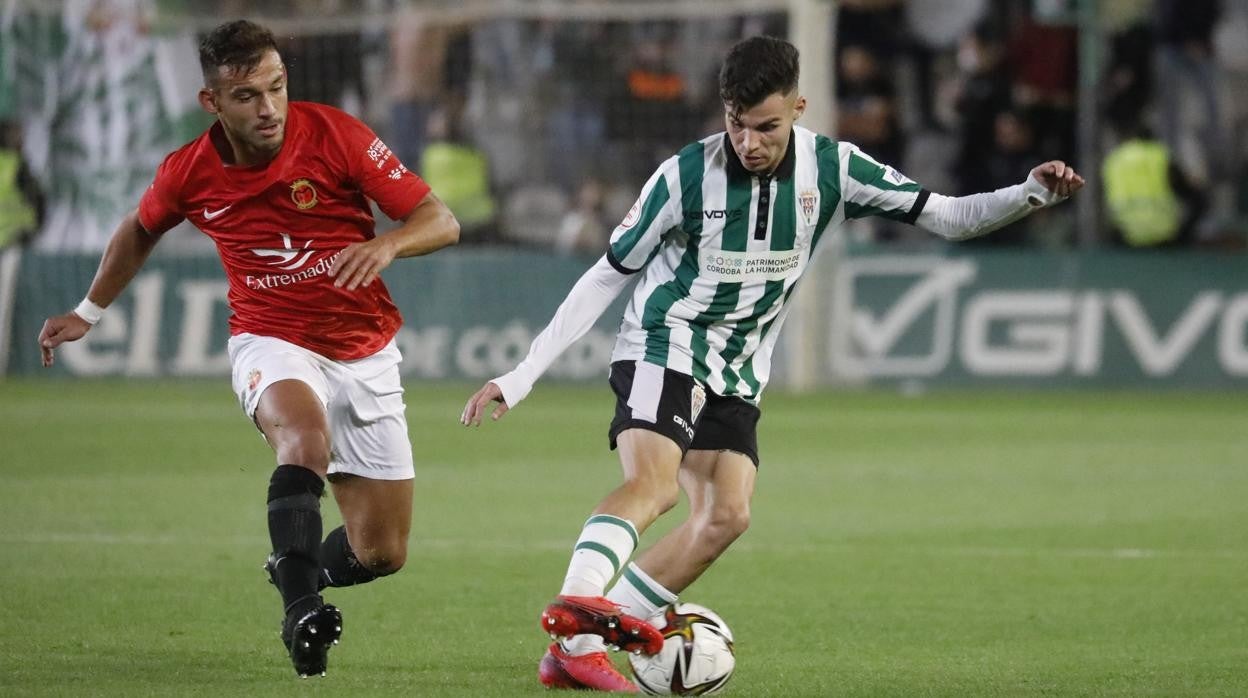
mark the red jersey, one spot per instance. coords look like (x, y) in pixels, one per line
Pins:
(279, 226)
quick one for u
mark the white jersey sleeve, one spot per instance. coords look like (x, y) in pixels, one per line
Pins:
(657, 210)
(965, 217)
(588, 299)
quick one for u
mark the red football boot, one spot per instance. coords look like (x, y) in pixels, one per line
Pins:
(595, 615)
(550, 671)
(595, 671)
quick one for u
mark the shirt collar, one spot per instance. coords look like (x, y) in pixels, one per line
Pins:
(783, 171)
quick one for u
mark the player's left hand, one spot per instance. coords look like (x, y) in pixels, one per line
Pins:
(60, 329)
(360, 262)
(1058, 177)
(480, 402)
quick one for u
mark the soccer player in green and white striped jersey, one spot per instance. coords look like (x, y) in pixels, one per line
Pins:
(718, 239)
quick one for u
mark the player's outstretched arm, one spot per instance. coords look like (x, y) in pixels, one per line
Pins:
(127, 250)
(965, 217)
(587, 300)
(480, 401)
(428, 228)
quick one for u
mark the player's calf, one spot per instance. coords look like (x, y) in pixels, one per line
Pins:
(295, 531)
(343, 567)
(270, 570)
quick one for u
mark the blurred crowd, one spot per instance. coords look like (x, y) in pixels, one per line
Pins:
(541, 131)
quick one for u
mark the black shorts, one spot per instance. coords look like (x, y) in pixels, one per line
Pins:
(673, 404)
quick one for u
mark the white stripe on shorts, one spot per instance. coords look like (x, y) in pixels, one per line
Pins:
(647, 388)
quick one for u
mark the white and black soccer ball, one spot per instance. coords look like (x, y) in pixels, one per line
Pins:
(697, 656)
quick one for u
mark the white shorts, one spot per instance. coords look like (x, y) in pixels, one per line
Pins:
(362, 398)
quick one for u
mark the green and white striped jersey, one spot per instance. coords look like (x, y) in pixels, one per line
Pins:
(721, 251)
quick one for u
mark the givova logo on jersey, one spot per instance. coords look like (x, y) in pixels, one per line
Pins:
(292, 258)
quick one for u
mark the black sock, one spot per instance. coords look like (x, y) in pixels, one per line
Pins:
(341, 568)
(295, 530)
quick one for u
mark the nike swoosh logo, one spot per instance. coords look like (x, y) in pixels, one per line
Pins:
(209, 215)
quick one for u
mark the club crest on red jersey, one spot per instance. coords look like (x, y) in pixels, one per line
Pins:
(303, 194)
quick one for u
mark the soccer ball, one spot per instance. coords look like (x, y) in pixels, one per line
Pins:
(696, 658)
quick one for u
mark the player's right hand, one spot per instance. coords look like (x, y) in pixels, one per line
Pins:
(480, 401)
(58, 330)
(1058, 177)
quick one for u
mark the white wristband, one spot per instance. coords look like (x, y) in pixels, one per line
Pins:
(89, 311)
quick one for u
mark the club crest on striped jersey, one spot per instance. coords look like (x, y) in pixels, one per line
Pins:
(303, 194)
(808, 200)
(697, 400)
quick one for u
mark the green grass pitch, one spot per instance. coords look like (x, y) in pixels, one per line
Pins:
(954, 544)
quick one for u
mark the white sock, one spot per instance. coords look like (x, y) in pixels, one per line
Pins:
(640, 596)
(605, 544)
(581, 645)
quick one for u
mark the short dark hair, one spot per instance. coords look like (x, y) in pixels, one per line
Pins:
(238, 45)
(755, 69)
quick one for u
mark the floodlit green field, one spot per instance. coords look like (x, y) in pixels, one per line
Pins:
(990, 544)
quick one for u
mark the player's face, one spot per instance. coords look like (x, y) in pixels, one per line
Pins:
(760, 134)
(251, 106)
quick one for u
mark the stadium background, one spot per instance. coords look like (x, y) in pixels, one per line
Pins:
(538, 121)
(1011, 467)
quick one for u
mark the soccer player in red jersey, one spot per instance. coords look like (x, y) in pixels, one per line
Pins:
(283, 189)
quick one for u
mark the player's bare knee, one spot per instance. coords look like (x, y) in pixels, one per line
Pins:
(306, 447)
(724, 524)
(665, 498)
(670, 501)
(382, 560)
(662, 493)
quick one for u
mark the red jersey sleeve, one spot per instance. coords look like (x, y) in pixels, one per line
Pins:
(158, 209)
(378, 171)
